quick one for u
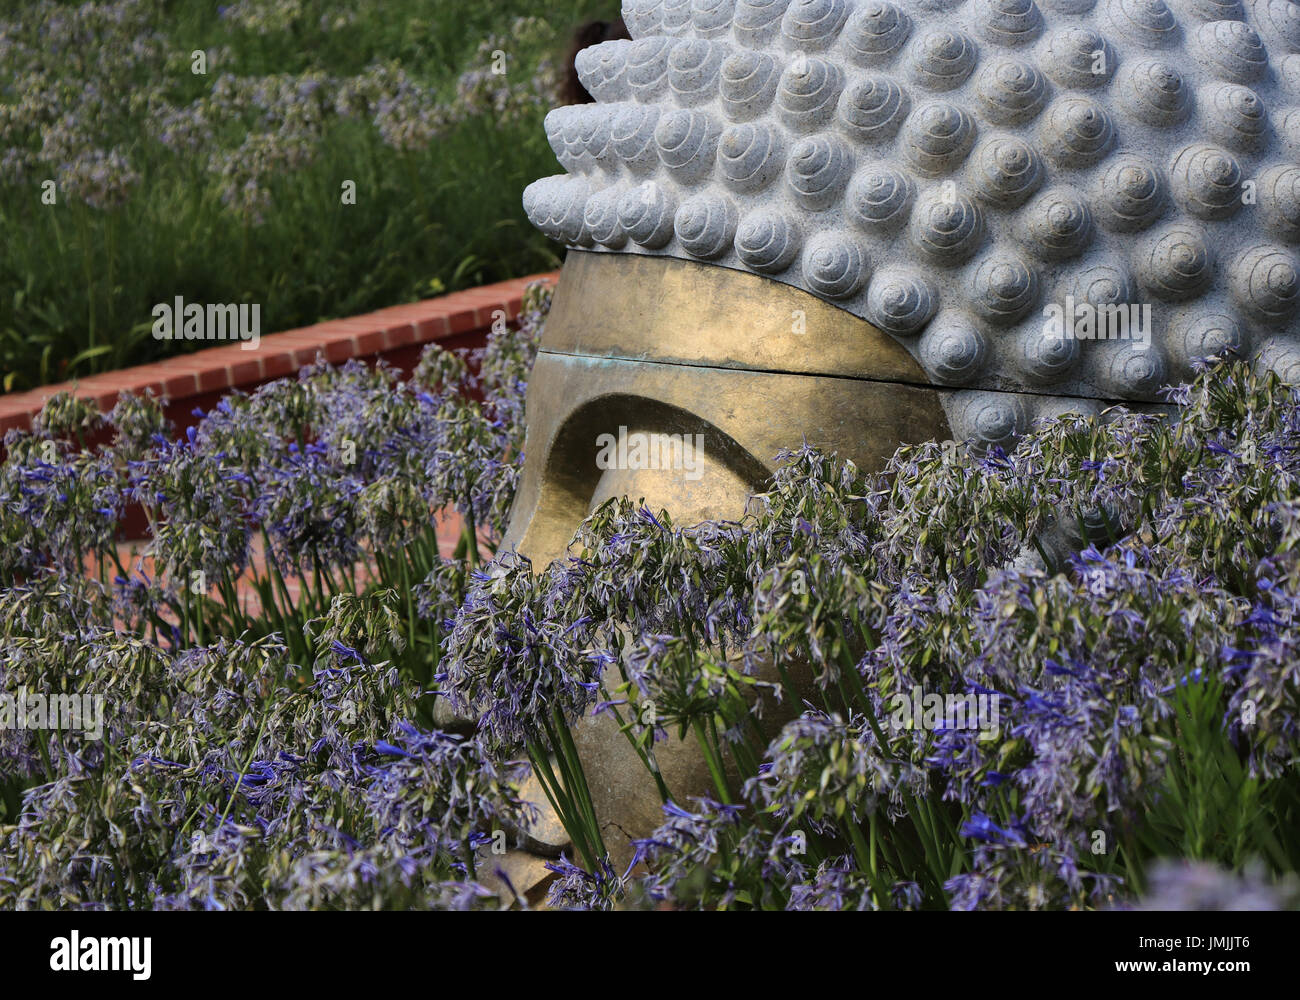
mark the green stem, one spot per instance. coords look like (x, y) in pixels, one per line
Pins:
(715, 768)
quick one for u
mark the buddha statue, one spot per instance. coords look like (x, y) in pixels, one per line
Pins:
(862, 223)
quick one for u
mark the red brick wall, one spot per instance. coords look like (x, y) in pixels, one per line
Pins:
(198, 380)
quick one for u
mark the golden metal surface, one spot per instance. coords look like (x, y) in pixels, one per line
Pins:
(657, 346)
(642, 308)
(745, 418)
(662, 346)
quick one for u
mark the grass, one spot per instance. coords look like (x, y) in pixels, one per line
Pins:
(81, 281)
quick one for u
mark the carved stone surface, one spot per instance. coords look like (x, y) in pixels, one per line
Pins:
(945, 171)
(651, 345)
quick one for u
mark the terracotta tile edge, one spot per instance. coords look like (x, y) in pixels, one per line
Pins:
(234, 366)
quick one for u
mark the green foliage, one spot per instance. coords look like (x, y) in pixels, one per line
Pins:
(227, 187)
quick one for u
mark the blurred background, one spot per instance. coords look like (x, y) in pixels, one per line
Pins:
(210, 150)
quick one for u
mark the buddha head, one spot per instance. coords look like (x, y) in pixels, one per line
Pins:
(862, 223)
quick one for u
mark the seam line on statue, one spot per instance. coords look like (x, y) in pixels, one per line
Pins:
(852, 378)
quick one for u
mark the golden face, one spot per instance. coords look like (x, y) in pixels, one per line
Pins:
(679, 383)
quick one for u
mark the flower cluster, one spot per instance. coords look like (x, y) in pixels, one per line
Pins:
(263, 669)
(71, 74)
(119, 74)
(281, 676)
(1122, 590)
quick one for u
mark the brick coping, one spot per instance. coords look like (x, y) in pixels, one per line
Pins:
(230, 366)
